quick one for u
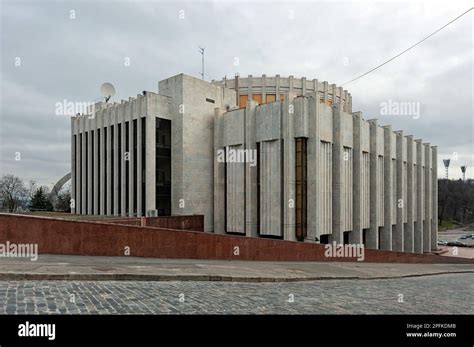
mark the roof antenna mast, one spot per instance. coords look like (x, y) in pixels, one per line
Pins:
(201, 50)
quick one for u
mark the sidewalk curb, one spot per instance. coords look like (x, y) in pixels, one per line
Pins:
(12, 276)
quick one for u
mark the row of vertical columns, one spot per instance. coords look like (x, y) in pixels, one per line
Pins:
(95, 178)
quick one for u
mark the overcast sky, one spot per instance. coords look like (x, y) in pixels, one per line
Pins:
(64, 58)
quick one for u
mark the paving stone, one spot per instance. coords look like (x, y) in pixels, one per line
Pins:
(446, 294)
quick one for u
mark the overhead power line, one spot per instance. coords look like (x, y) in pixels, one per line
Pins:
(412, 46)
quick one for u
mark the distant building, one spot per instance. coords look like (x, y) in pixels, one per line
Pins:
(263, 157)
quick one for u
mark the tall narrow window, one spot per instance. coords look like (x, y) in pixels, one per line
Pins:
(163, 167)
(301, 188)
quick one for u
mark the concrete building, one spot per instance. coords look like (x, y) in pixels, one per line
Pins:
(262, 157)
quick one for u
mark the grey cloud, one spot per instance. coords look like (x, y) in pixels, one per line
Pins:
(69, 59)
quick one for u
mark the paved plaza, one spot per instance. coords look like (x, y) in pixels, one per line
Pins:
(436, 294)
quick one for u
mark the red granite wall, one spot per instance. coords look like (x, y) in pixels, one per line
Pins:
(192, 222)
(56, 236)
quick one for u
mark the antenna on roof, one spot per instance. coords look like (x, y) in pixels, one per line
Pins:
(201, 50)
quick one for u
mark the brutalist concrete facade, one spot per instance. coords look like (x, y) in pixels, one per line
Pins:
(322, 172)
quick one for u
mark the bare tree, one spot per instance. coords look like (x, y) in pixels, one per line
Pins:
(12, 192)
(63, 203)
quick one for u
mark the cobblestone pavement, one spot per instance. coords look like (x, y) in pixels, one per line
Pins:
(440, 294)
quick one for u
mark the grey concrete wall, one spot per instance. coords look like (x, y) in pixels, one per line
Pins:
(192, 117)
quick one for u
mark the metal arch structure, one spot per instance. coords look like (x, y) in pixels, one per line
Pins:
(53, 196)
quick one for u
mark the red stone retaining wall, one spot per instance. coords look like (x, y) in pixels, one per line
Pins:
(192, 222)
(58, 236)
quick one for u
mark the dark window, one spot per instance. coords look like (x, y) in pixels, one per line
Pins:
(210, 100)
(301, 188)
(163, 168)
(324, 239)
(345, 237)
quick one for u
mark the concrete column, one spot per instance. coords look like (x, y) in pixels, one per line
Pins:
(78, 165)
(334, 97)
(355, 236)
(290, 83)
(249, 87)
(90, 173)
(418, 236)
(314, 149)
(219, 174)
(337, 178)
(386, 235)
(131, 160)
(84, 174)
(316, 88)
(346, 97)
(139, 165)
(398, 233)
(150, 163)
(117, 158)
(428, 200)
(73, 164)
(325, 90)
(123, 155)
(250, 172)
(303, 85)
(277, 87)
(434, 198)
(95, 160)
(410, 203)
(109, 170)
(103, 188)
(288, 167)
(372, 237)
(264, 89)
